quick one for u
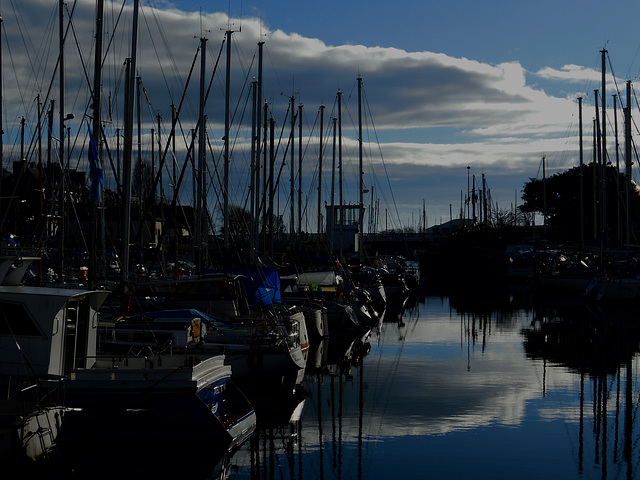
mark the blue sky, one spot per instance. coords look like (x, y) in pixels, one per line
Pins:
(547, 33)
(491, 85)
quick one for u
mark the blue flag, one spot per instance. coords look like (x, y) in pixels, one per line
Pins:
(95, 172)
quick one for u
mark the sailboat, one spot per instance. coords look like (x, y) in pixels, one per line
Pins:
(45, 334)
(144, 390)
(164, 396)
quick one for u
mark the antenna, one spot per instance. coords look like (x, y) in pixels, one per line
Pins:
(260, 34)
(202, 30)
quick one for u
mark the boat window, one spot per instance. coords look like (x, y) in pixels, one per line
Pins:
(15, 319)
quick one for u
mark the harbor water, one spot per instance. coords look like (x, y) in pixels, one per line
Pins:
(513, 388)
(498, 387)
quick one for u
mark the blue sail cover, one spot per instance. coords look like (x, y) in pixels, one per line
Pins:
(261, 284)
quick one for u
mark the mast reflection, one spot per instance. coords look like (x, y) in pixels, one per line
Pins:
(599, 344)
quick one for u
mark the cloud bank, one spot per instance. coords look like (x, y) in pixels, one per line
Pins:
(423, 109)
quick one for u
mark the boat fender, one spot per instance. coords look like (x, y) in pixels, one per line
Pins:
(197, 331)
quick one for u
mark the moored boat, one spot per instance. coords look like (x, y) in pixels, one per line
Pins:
(252, 346)
(165, 396)
(44, 334)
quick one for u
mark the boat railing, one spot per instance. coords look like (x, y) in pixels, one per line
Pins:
(145, 357)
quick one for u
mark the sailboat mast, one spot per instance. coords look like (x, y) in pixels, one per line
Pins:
(292, 226)
(61, 226)
(319, 226)
(603, 178)
(544, 193)
(628, 160)
(272, 159)
(484, 200)
(174, 181)
(617, 147)
(597, 186)
(98, 211)
(1, 124)
(255, 169)
(340, 219)
(333, 189)
(200, 198)
(300, 170)
(581, 174)
(360, 174)
(139, 162)
(162, 211)
(128, 143)
(258, 130)
(40, 175)
(227, 120)
(264, 206)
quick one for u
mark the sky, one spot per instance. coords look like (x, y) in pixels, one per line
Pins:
(492, 86)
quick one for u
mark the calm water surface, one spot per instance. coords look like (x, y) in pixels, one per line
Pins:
(462, 390)
(500, 388)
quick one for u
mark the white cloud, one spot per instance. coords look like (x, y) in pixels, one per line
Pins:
(570, 73)
(430, 108)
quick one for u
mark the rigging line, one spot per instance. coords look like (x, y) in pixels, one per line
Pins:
(381, 156)
(173, 127)
(30, 371)
(174, 200)
(28, 45)
(274, 69)
(311, 184)
(217, 175)
(635, 55)
(284, 156)
(392, 375)
(177, 116)
(74, 209)
(16, 70)
(165, 41)
(242, 58)
(275, 155)
(155, 49)
(244, 110)
(242, 90)
(350, 151)
(633, 120)
(205, 203)
(265, 193)
(82, 62)
(247, 178)
(113, 33)
(34, 75)
(57, 66)
(615, 80)
(106, 149)
(235, 143)
(633, 91)
(636, 152)
(316, 170)
(149, 104)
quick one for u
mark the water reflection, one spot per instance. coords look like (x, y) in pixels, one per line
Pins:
(599, 344)
(523, 387)
(280, 448)
(88, 456)
(499, 385)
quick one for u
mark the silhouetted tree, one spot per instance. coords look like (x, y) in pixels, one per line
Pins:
(563, 204)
